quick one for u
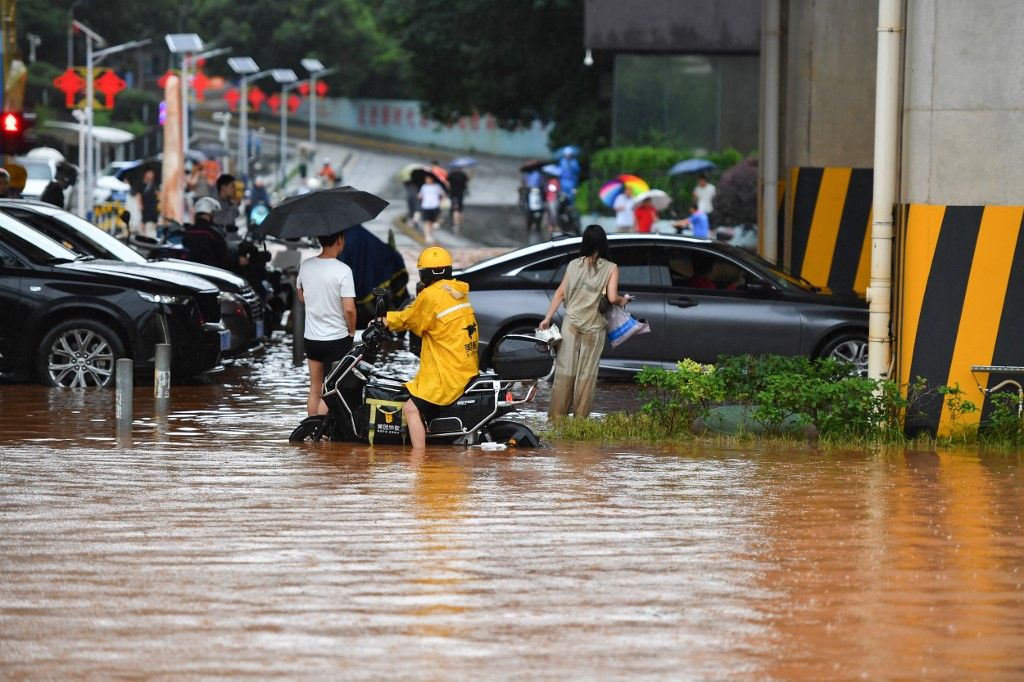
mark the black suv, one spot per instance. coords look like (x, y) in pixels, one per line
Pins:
(65, 319)
(240, 307)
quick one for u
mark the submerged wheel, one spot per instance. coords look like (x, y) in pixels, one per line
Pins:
(310, 430)
(851, 348)
(512, 434)
(79, 353)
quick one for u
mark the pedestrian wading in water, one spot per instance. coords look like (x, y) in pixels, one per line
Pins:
(587, 280)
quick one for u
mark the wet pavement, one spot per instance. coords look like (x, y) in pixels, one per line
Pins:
(210, 547)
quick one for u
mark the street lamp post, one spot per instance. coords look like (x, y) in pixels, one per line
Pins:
(93, 57)
(288, 80)
(315, 69)
(246, 68)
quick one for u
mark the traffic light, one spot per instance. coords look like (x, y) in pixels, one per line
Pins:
(12, 132)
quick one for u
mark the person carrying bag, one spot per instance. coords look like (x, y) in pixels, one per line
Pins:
(587, 280)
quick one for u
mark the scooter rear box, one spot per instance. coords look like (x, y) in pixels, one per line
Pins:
(521, 357)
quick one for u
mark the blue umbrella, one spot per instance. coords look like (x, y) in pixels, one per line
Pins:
(571, 148)
(462, 162)
(691, 166)
(551, 169)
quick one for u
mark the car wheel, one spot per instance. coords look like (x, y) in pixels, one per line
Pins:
(851, 348)
(79, 354)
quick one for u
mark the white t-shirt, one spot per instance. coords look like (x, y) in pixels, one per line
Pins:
(623, 211)
(430, 196)
(324, 282)
(705, 197)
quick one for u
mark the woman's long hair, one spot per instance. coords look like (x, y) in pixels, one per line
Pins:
(595, 242)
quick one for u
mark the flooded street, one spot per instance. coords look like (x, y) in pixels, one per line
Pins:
(210, 547)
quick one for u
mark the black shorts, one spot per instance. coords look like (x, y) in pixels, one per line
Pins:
(428, 410)
(457, 202)
(431, 214)
(328, 352)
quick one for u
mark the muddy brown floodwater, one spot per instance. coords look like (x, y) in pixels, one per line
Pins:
(210, 547)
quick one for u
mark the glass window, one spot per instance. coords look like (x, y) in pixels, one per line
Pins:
(544, 272)
(697, 269)
(36, 247)
(78, 235)
(634, 266)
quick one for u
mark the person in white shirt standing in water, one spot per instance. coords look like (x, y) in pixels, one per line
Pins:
(326, 287)
(430, 205)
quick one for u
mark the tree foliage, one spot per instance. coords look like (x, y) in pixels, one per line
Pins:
(519, 61)
(341, 33)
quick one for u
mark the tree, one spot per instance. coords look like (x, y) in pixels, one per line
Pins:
(736, 196)
(519, 61)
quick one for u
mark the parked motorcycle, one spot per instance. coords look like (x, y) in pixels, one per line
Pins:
(365, 406)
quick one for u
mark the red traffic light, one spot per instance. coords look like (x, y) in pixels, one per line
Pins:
(12, 132)
(11, 122)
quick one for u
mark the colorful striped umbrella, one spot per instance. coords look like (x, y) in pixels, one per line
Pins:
(610, 191)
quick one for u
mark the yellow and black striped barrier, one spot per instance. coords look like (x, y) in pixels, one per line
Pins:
(961, 302)
(828, 240)
(107, 216)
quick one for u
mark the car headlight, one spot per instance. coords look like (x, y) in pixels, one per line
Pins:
(162, 298)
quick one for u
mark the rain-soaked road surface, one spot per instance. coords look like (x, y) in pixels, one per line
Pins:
(210, 547)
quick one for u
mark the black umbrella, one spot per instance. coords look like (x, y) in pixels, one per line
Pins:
(322, 213)
(419, 176)
(532, 165)
(213, 150)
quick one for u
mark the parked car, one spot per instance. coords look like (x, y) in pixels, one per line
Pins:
(748, 305)
(40, 171)
(111, 185)
(240, 307)
(65, 319)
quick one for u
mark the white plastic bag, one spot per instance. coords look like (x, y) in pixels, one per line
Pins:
(622, 326)
(551, 335)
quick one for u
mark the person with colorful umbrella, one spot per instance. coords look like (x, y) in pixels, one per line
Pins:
(646, 206)
(617, 193)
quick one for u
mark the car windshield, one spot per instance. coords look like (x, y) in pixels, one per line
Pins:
(102, 245)
(778, 275)
(37, 247)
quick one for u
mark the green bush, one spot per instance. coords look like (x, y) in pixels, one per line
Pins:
(1004, 424)
(680, 396)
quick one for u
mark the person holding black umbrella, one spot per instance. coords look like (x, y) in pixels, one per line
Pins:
(326, 287)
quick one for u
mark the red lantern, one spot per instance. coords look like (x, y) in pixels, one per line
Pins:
(162, 81)
(274, 102)
(321, 88)
(231, 97)
(256, 98)
(293, 102)
(109, 84)
(69, 83)
(200, 83)
(303, 88)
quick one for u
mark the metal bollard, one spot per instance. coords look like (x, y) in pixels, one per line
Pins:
(298, 332)
(162, 378)
(123, 396)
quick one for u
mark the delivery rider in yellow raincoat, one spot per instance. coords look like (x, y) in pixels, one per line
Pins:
(443, 317)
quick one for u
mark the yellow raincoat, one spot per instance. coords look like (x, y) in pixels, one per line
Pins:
(443, 317)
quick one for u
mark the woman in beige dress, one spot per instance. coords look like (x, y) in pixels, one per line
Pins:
(587, 279)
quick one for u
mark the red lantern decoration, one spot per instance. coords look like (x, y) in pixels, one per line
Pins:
(274, 102)
(162, 81)
(109, 84)
(256, 98)
(321, 88)
(69, 83)
(303, 88)
(293, 102)
(200, 83)
(231, 97)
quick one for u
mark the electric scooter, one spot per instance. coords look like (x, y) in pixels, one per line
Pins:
(366, 407)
